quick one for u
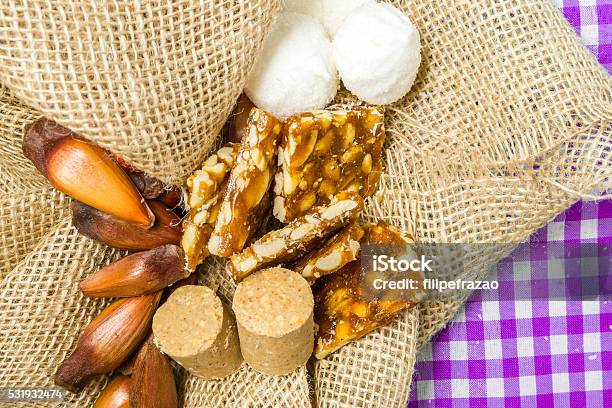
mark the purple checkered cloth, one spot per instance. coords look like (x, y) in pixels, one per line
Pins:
(528, 352)
(592, 20)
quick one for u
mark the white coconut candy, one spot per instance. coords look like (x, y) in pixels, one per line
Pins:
(334, 12)
(295, 70)
(377, 50)
(330, 13)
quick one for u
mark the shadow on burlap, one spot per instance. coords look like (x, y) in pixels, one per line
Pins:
(508, 124)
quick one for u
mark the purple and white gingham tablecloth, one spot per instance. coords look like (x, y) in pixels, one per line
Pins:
(592, 20)
(527, 352)
(533, 352)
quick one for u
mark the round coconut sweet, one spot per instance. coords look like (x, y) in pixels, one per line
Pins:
(295, 71)
(334, 12)
(330, 13)
(377, 50)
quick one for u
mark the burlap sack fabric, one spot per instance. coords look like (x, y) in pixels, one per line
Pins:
(508, 123)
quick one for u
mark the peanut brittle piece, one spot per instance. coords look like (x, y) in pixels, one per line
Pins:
(247, 198)
(341, 312)
(325, 152)
(194, 242)
(298, 237)
(333, 255)
(205, 188)
(204, 185)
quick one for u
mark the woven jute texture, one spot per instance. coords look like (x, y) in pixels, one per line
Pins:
(149, 80)
(508, 123)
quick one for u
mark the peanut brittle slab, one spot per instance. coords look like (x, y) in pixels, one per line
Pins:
(247, 199)
(339, 250)
(325, 152)
(205, 189)
(298, 237)
(341, 312)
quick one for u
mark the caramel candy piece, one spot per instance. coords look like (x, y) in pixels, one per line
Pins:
(206, 188)
(298, 237)
(325, 152)
(274, 313)
(333, 255)
(341, 313)
(246, 200)
(383, 233)
(199, 332)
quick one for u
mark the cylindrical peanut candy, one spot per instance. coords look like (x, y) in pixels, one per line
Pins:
(199, 332)
(274, 311)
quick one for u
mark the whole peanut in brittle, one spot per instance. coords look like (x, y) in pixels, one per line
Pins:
(325, 152)
(333, 255)
(298, 237)
(206, 188)
(247, 199)
(342, 314)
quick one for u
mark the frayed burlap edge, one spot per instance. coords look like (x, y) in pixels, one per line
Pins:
(151, 81)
